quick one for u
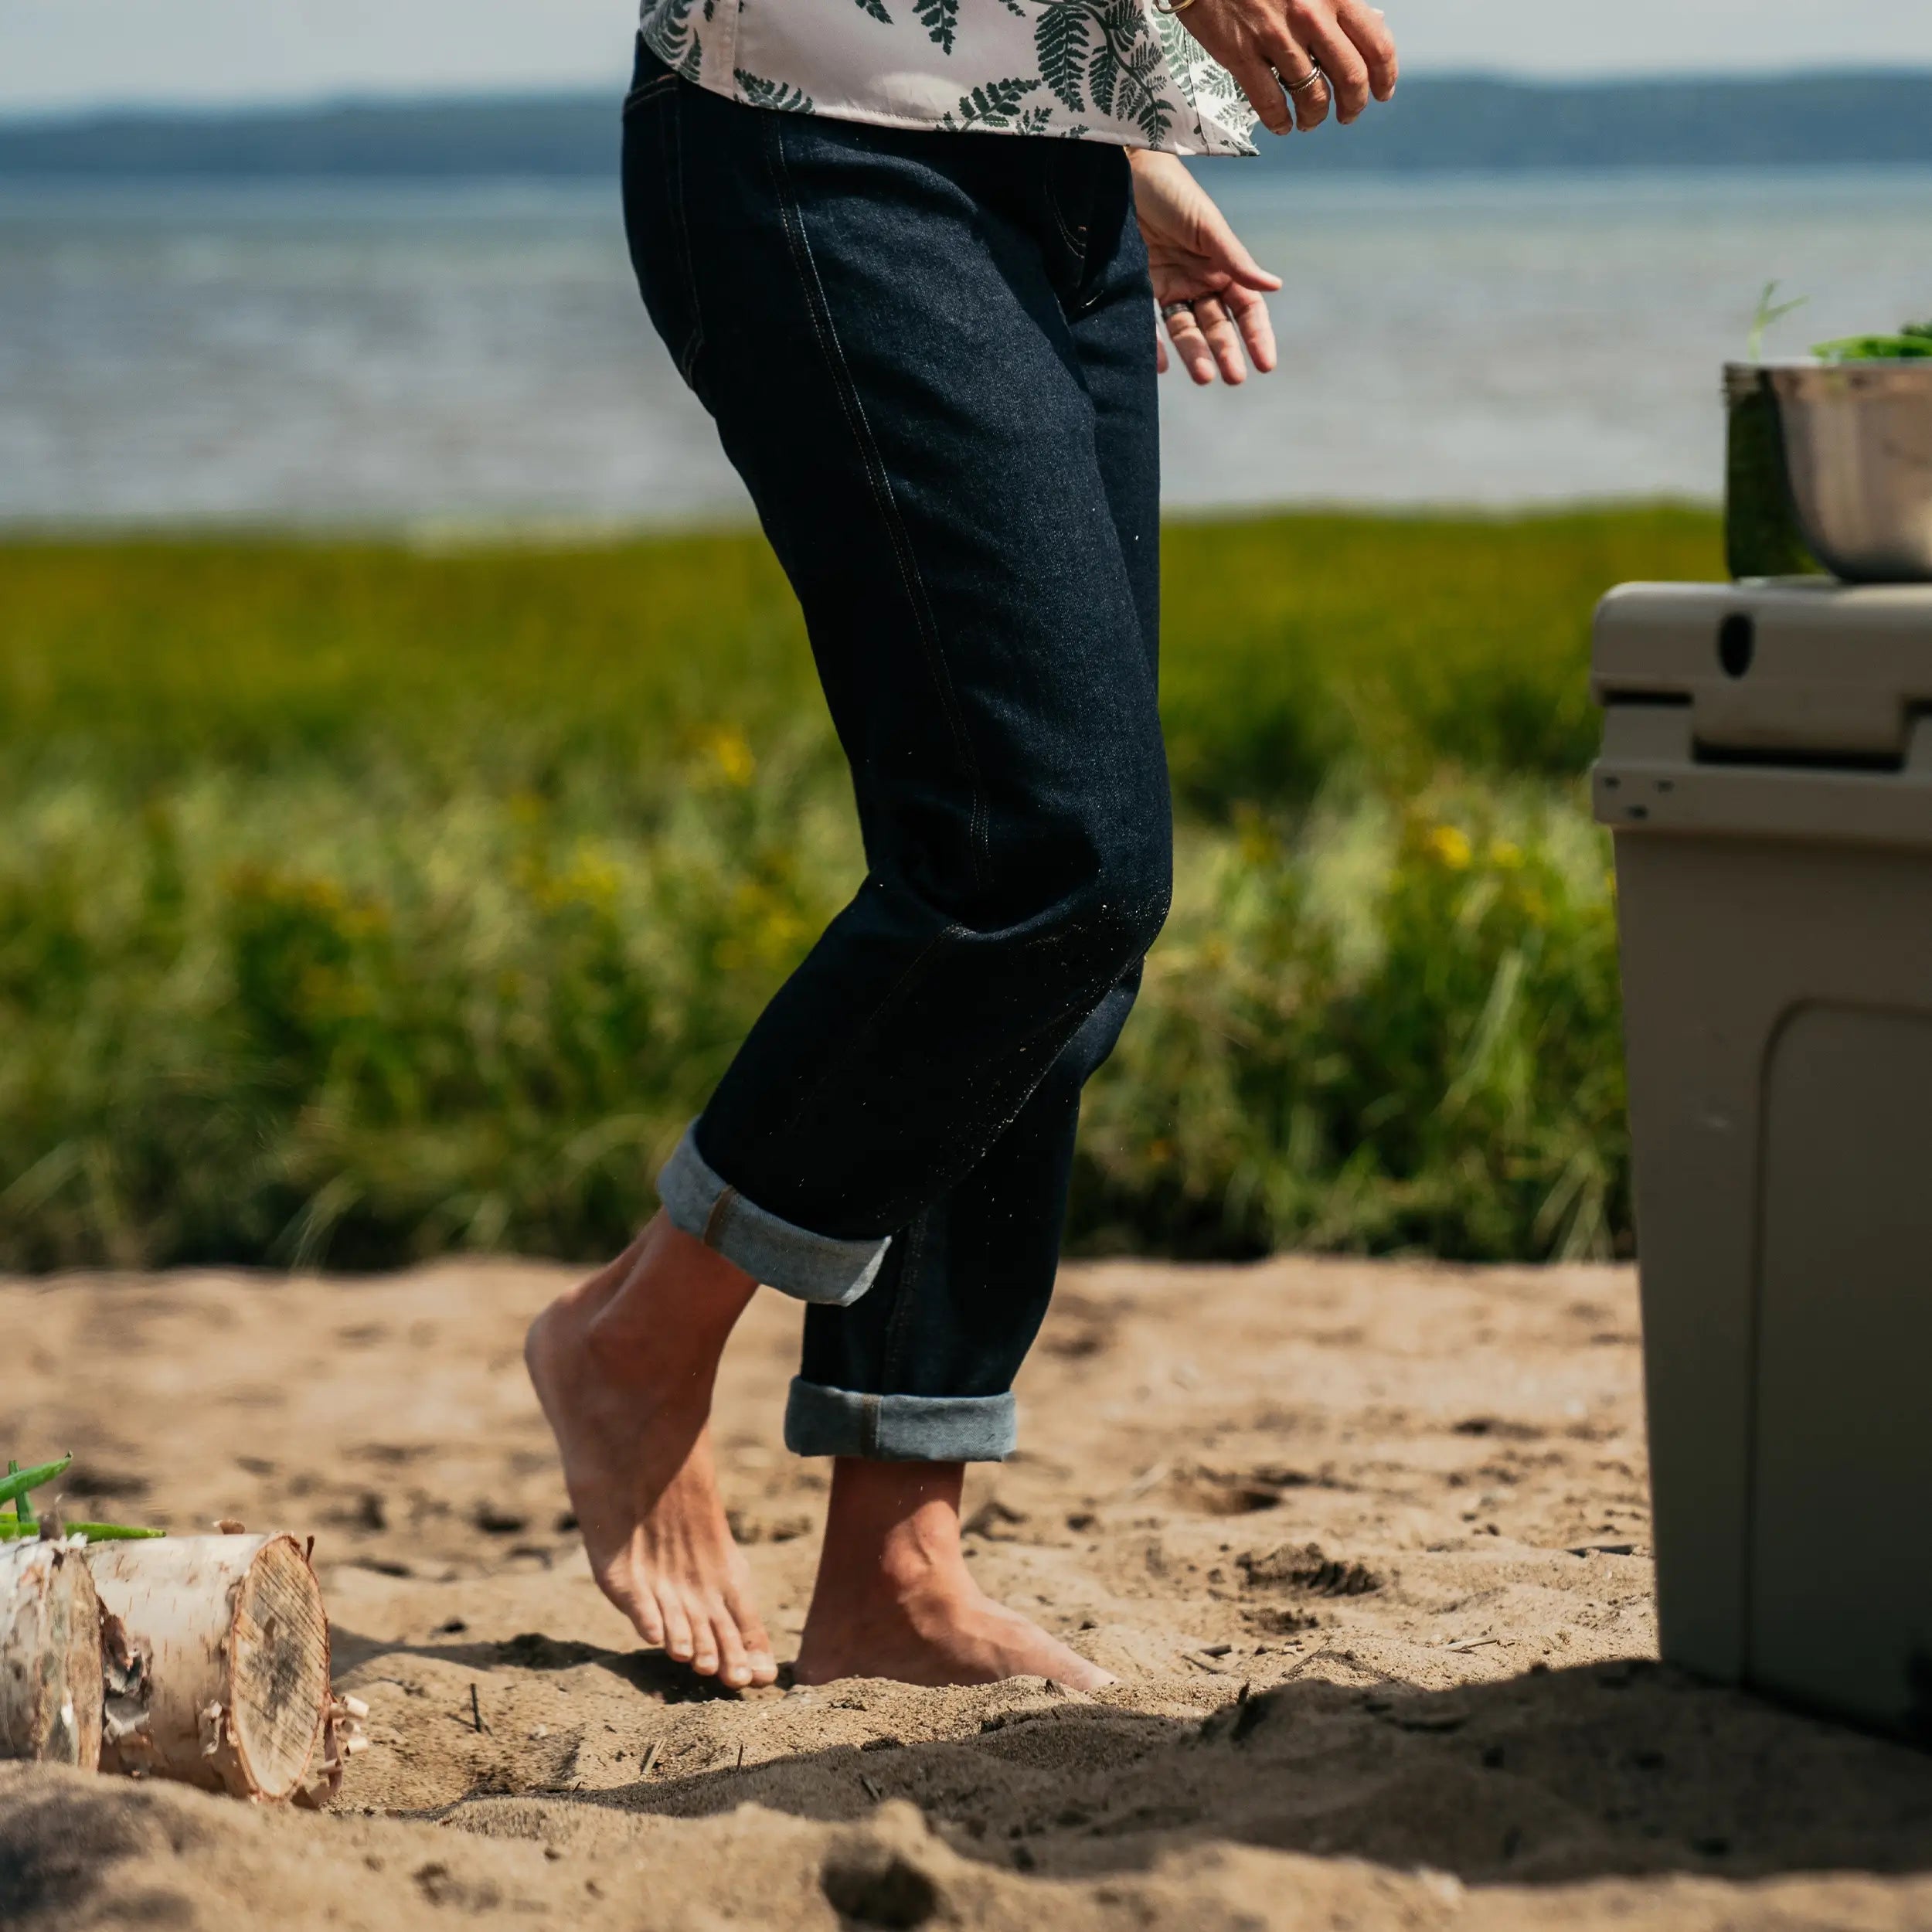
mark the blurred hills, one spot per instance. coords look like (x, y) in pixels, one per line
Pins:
(1436, 124)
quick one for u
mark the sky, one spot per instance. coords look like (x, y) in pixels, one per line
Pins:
(58, 55)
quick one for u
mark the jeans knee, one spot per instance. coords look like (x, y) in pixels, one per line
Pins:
(1120, 914)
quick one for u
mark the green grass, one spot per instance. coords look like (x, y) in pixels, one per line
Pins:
(538, 668)
(359, 902)
(1296, 643)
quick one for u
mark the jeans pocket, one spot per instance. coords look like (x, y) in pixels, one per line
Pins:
(655, 221)
(1065, 195)
(1089, 192)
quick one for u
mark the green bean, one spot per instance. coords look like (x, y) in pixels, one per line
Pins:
(14, 1531)
(15, 1483)
(1911, 343)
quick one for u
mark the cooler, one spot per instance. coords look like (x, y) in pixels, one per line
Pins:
(1766, 770)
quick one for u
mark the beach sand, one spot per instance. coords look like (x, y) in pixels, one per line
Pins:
(1367, 1544)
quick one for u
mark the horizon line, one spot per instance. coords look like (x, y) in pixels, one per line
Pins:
(380, 99)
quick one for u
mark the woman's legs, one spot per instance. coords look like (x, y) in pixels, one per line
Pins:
(929, 357)
(925, 1363)
(962, 1291)
(889, 351)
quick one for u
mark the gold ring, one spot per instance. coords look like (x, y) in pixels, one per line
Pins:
(1172, 6)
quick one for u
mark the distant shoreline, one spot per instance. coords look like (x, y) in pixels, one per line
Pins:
(1471, 124)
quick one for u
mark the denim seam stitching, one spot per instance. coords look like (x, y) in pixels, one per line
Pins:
(650, 89)
(806, 267)
(898, 1320)
(687, 363)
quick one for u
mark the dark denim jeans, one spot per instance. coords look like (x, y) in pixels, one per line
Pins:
(930, 356)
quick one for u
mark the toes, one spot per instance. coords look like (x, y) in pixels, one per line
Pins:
(763, 1664)
(734, 1667)
(637, 1602)
(677, 1627)
(704, 1658)
(649, 1618)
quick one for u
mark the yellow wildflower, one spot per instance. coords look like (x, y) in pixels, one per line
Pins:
(731, 757)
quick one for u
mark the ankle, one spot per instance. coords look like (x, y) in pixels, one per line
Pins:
(675, 1371)
(892, 1531)
(920, 1553)
(668, 1319)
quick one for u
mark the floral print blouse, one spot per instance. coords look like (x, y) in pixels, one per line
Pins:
(1116, 70)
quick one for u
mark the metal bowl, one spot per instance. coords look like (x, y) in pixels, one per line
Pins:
(1858, 451)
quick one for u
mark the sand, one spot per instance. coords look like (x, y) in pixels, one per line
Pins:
(1366, 1543)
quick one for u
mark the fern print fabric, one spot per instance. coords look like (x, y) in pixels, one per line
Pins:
(1113, 70)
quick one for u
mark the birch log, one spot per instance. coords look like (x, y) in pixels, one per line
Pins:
(50, 1672)
(234, 1643)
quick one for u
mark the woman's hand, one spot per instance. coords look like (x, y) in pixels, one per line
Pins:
(1208, 287)
(1290, 56)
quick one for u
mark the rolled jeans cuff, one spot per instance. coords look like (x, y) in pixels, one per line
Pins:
(823, 1421)
(809, 1267)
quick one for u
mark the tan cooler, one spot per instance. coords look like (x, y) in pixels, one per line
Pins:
(1766, 769)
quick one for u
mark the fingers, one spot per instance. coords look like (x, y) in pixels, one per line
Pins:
(1311, 105)
(1223, 339)
(1303, 86)
(1226, 254)
(1256, 326)
(1314, 29)
(1210, 334)
(1191, 345)
(1257, 80)
(1315, 54)
(1364, 25)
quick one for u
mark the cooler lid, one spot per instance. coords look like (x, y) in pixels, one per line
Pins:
(1806, 667)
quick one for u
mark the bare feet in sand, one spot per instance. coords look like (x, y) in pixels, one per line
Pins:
(895, 1597)
(624, 1365)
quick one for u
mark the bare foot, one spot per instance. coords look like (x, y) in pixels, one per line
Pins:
(895, 1597)
(624, 1365)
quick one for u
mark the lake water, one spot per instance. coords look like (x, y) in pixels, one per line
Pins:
(365, 352)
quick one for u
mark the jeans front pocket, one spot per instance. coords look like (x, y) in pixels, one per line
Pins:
(1088, 191)
(654, 218)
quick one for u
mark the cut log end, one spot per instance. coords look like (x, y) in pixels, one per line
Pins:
(281, 1668)
(50, 1673)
